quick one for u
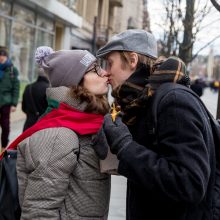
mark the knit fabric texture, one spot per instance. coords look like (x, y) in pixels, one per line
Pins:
(173, 70)
(64, 67)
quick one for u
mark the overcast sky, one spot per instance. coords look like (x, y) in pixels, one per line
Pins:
(156, 11)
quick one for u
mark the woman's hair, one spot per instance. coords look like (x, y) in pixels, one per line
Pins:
(142, 59)
(96, 103)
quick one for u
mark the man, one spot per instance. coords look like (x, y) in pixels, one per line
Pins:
(9, 93)
(170, 173)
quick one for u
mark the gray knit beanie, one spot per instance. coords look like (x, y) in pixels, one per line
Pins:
(64, 67)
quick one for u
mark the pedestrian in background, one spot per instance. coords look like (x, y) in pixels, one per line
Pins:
(58, 170)
(170, 173)
(34, 101)
(9, 93)
(198, 86)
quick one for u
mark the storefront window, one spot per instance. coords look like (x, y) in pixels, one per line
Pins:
(5, 8)
(45, 23)
(23, 14)
(65, 2)
(22, 46)
(5, 25)
(69, 3)
(24, 30)
(44, 39)
(23, 41)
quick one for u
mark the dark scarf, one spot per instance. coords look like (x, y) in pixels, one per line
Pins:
(127, 96)
(3, 66)
(133, 96)
(173, 70)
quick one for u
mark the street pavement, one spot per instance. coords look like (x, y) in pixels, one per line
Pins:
(118, 190)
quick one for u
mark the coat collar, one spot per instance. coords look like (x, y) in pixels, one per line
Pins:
(62, 94)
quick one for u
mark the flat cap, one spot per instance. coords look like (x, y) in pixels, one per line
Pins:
(135, 40)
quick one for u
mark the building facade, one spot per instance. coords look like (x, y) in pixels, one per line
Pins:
(62, 24)
(134, 14)
(27, 24)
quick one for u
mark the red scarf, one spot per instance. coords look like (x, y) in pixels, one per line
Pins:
(64, 116)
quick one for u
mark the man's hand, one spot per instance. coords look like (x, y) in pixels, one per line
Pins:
(13, 108)
(117, 134)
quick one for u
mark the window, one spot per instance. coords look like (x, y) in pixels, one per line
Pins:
(5, 25)
(23, 30)
(22, 49)
(5, 8)
(24, 14)
(45, 38)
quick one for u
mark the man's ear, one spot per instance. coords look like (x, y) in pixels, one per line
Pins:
(133, 60)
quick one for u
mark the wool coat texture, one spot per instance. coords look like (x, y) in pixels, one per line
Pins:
(54, 183)
(170, 175)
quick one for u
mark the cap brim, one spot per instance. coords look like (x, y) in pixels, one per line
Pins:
(103, 54)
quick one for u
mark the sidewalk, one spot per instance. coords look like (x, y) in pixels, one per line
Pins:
(17, 119)
(18, 114)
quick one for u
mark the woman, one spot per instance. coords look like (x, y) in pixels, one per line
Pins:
(58, 170)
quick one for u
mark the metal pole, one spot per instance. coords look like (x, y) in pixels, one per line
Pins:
(217, 6)
(218, 105)
(94, 36)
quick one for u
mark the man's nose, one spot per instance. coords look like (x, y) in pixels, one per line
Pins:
(105, 73)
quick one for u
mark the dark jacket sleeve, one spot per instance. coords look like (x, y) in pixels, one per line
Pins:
(15, 87)
(179, 166)
(24, 100)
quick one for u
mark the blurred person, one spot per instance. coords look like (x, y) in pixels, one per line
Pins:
(214, 85)
(169, 163)
(198, 86)
(58, 170)
(34, 101)
(9, 93)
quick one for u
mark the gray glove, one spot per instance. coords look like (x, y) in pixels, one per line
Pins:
(117, 134)
(100, 144)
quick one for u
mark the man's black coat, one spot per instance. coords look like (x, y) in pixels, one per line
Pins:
(173, 178)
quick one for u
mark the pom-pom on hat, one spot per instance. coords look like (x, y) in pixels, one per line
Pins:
(64, 67)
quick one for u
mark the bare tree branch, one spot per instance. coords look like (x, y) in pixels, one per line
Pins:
(207, 25)
(183, 22)
(216, 4)
(202, 48)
